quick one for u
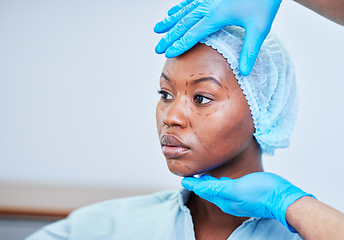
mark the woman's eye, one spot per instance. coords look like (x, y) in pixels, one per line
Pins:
(165, 95)
(199, 99)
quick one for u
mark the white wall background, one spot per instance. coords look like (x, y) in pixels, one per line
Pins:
(78, 83)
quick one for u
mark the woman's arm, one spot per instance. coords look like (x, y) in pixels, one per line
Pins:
(331, 9)
(315, 220)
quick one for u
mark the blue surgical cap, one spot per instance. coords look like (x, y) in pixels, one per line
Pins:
(270, 89)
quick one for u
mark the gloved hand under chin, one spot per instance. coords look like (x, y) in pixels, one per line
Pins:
(261, 194)
(192, 20)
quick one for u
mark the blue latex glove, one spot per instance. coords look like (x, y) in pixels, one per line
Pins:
(262, 194)
(193, 20)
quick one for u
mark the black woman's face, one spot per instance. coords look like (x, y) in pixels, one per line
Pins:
(203, 119)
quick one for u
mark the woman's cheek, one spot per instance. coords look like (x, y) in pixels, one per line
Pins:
(158, 116)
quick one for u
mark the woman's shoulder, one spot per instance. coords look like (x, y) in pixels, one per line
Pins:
(124, 204)
(114, 217)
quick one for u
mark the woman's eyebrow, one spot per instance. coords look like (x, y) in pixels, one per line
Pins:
(196, 81)
(164, 76)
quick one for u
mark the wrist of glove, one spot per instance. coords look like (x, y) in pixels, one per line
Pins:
(287, 195)
(263, 195)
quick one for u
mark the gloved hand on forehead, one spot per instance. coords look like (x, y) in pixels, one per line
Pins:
(261, 194)
(192, 20)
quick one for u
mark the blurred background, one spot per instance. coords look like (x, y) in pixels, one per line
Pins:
(78, 89)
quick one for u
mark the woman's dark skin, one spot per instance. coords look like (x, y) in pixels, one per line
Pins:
(203, 106)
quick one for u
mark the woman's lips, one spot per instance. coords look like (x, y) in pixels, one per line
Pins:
(172, 147)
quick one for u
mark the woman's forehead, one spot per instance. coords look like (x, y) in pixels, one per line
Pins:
(200, 59)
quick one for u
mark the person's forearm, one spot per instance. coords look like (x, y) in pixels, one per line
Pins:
(315, 220)
(331, 9)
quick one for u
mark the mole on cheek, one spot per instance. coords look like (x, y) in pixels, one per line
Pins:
(187, 166)
(174, 162)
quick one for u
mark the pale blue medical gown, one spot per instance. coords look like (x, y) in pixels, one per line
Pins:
(158, 216)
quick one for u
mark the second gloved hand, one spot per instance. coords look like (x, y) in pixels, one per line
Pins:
(264, 195)
(193, 20)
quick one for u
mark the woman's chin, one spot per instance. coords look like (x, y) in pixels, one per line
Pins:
(180, 169)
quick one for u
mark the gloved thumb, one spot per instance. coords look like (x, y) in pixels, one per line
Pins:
(250, 49)
(214, 188)
(190, 182)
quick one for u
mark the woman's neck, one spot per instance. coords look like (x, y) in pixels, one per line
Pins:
(209, 220)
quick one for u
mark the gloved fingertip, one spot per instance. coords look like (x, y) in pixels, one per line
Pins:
(187, 183)
(158, 49)
(173, 10)
(159, 27)
(171, 52)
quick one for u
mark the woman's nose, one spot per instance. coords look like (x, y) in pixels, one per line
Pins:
(175, 115)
